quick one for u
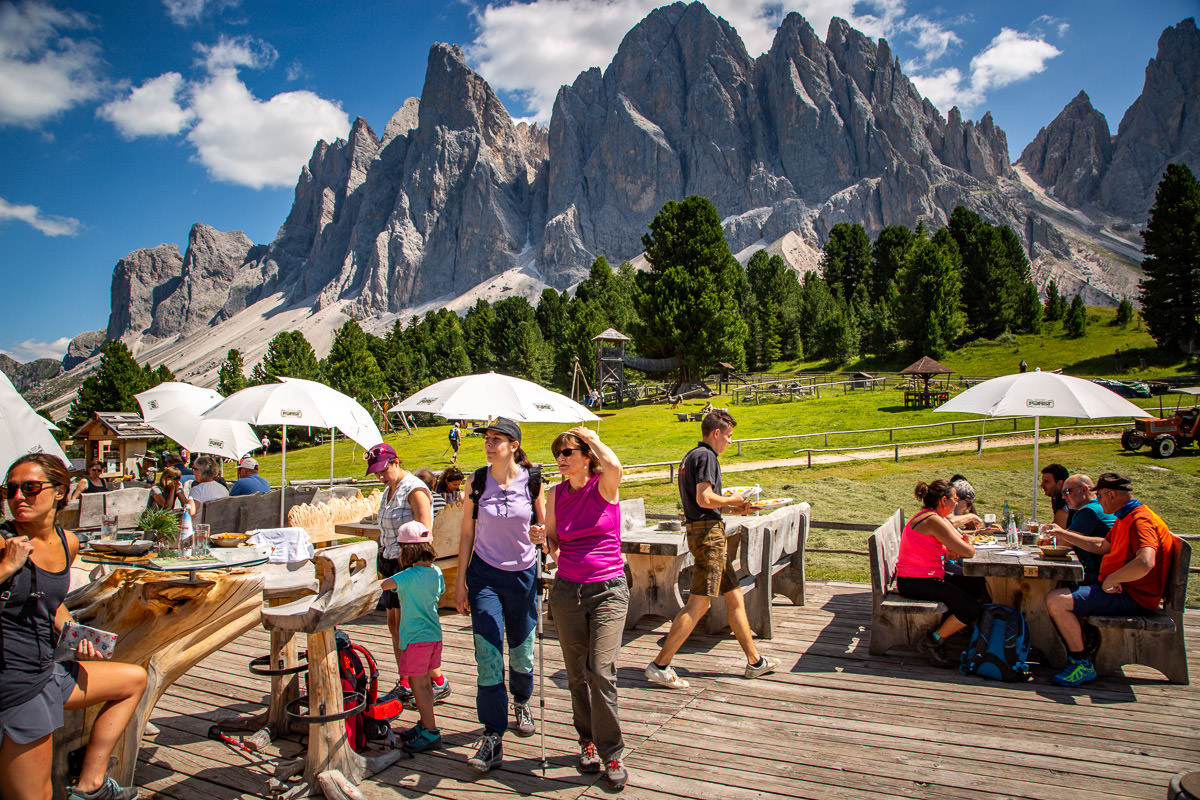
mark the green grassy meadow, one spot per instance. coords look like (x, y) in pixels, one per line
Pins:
(855, 491)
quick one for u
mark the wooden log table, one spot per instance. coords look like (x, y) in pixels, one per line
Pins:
(1022, 581)
(447, 527)
(166, 622)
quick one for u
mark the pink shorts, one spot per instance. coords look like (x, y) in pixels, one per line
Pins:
(419, 658)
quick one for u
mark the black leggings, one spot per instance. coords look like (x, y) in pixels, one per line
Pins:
(958, 592)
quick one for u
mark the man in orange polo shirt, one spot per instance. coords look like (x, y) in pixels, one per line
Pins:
(1133, 574)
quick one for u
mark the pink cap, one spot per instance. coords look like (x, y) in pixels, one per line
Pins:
(413, 533)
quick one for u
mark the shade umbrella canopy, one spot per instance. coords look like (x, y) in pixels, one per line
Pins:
(1040, 394)
(494, 395)
(346, 413)
(219, 437)
(926, 366)
(173, 397)
(23, 430)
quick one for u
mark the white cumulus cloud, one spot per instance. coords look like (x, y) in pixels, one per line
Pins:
(42, 71)
(150, 109)
(184, 12)
(33, 349)
(33, 216)
(237, 51)
(257, 143)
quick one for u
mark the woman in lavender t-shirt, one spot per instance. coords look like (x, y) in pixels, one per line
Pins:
(590, 595)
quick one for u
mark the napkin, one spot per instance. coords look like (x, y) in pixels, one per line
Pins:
(287, 544)
(1012, 553)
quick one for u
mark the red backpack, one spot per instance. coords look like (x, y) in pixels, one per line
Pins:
(360, 675)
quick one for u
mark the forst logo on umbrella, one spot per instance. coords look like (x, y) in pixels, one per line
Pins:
(217, 443)
(1034, 403)
(287, 412)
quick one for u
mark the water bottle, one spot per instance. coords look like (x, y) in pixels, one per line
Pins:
(185, 535)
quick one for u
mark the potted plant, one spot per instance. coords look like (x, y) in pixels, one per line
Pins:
(160, 525)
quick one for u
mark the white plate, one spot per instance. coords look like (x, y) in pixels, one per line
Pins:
(774, 502)
(730, 491)
(132, 548)
(990, 546)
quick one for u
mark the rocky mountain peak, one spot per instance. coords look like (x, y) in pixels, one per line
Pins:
(1070, 155)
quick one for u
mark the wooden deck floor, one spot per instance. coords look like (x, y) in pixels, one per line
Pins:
(834, 723)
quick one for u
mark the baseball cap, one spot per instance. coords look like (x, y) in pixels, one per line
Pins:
(503, 425)
(379, 456)
(1114, 481)
(247, 463)
(413, 532)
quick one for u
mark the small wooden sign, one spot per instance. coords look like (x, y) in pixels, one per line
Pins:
(1031, 571)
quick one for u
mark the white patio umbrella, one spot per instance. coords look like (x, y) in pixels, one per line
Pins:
(1040, 394)
(23, 430)
(294, 401)
(493, 395)
(175, 396)
(175, 409)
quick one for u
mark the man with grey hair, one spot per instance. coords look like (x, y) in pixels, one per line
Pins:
(205, 487)
(1089, 522)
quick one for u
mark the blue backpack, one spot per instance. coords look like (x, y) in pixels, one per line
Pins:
(999, 646)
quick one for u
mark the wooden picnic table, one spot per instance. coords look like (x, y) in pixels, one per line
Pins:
(1022, 581)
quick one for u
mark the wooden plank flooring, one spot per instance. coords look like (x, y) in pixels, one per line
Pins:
(835, 723)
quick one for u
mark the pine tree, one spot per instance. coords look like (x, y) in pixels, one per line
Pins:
(350, 368)
(1055, 303)
(887, 257)
(1076, 322)
(477, 332)
(932, 317)
(231, 376)
(111, 387)
(687, 302)
(1124, 312)
(515, 339)
(846, 259)
(1170, 290)
(288, 355)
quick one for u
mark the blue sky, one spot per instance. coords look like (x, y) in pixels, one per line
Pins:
(124, 122)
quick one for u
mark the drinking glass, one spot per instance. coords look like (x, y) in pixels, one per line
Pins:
(108, 526)
(200, 539)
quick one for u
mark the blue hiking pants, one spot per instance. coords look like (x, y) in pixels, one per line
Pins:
(503, 607)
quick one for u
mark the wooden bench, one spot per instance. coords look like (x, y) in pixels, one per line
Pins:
(1155, 640)
(251, 511)
(127, 504)
(895, 620)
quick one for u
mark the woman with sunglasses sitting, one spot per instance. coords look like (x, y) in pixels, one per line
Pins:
(590, 596)
(90, 483)
(34, 688)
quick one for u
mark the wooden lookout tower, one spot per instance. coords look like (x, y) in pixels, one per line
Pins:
(610, 361)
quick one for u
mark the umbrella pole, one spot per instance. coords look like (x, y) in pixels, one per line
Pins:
(332, 439)
(1036, 474)
(283, 480)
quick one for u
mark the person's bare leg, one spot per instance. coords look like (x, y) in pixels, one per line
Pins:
(25, 769)
(423, 696)
(1061, 607)
(119, 687)
(735, 612)
(393, 623)
(950, 626)
(682, 627)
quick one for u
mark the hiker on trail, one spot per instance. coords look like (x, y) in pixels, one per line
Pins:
(590, 597)
(497, 584)
(700, 493)
(454, 442)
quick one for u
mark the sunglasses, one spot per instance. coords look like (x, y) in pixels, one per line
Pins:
(30, 489)
(566, 451)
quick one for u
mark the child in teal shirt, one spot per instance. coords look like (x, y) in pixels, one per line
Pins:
(420, 585)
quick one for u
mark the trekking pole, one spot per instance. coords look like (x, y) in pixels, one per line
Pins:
(541, 637)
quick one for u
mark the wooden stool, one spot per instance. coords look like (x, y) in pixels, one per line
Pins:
(347, 588)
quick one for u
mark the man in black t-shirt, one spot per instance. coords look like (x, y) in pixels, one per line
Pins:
(700, 494)
(1054, 476)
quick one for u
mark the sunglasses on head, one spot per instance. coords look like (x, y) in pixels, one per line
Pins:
(566, 451)
(29, 489)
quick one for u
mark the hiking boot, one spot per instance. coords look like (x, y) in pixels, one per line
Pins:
(1078, 671)
(522, 721)
(665, 676)
(109, 790)
(615, 774)
(589, 760)
(424, 739)
(408, 734)
(765, 666)
(440, 693)
(400, 693)
(935, 652)
(489, 752)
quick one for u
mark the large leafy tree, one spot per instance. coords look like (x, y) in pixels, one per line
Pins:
(288, 355)
(932, 315)
(846, 260)
(231, 376)
(351, 368)
(111, 387)
(1170, 290)
(687, 302)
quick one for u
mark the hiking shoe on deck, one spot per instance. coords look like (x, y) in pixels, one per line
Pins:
(589, 760)
(424, 739)
(522, 721)
(665, 676)
(440, 693)
(615, 774)
(400, 693)
(765, 666)
(1078, 671)
(109, 790)
(489, 753)
(935, 652)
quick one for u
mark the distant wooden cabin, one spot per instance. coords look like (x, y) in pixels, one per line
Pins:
(118, 438)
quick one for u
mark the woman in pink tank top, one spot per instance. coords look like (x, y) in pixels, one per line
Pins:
(590, 595)
(928, 538)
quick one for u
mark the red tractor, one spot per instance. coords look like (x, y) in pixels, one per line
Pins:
(1166, 435)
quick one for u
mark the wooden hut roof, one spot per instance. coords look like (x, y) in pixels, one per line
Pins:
(611, 335)
(121, 424)
(926, 366)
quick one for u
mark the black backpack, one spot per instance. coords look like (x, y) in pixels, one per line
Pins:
(999, 646)
(479, 483)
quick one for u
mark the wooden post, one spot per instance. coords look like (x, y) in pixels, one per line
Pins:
(327, 745)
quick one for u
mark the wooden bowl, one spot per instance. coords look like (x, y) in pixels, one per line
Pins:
(1055, 553)
(227, 539)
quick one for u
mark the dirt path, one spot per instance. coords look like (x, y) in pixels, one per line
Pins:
(874, 454)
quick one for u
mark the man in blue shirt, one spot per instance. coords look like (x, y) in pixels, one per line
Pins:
(249, 481)
(1087, 519)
